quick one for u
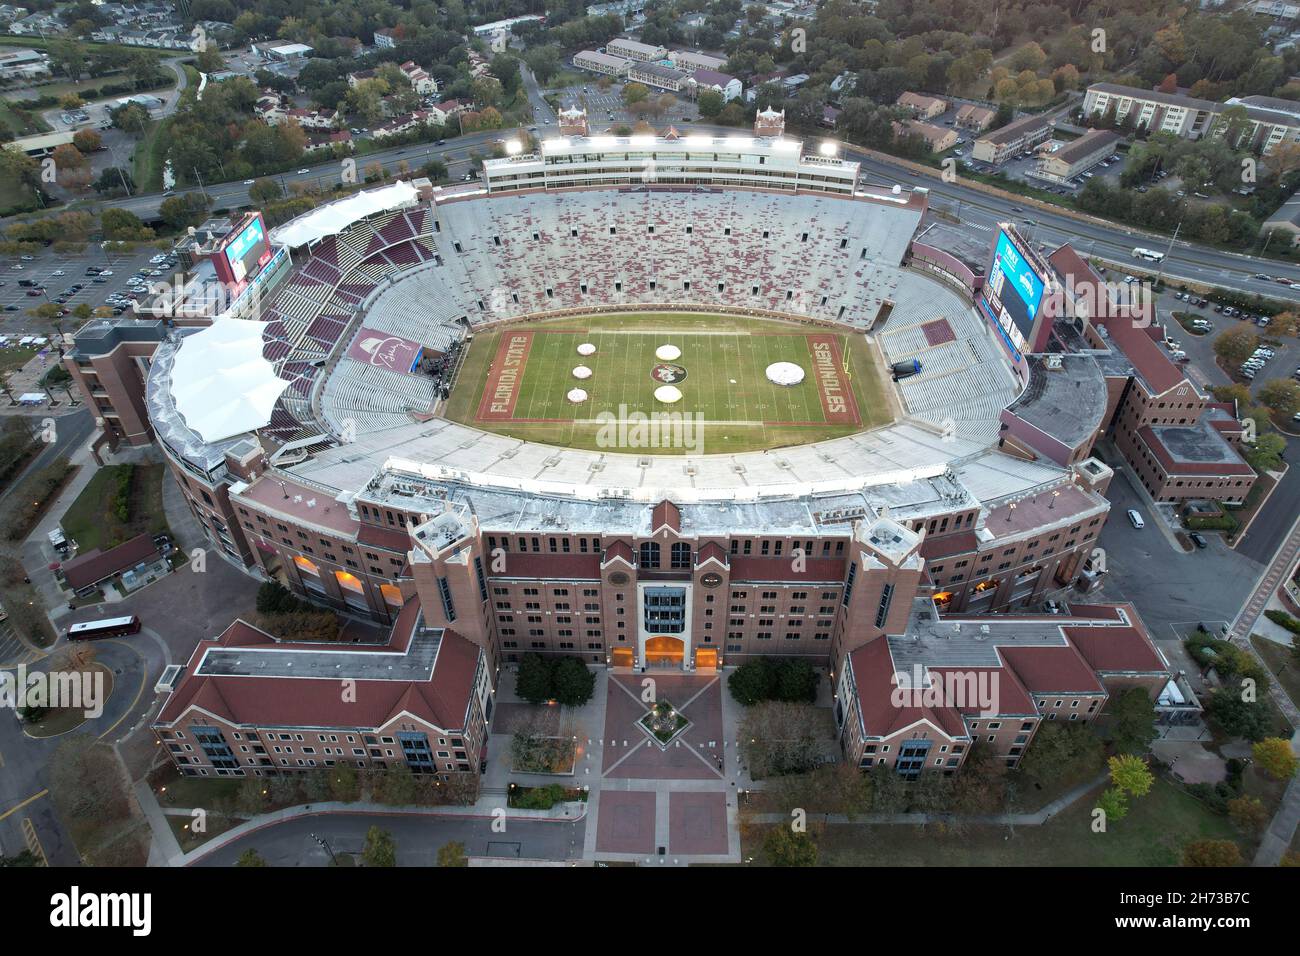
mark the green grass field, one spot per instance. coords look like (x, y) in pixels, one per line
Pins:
(732, 404)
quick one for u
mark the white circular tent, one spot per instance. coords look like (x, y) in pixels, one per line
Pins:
(668, 394)
(784, 373)
(668, 353)
(582, 372)
(577, 395)
(586, 348)
(221, 383)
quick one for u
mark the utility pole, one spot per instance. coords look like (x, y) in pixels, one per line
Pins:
(203, 189)
(1168, 249)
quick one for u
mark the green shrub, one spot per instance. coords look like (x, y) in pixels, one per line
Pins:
(1284, 619)
(792, 680)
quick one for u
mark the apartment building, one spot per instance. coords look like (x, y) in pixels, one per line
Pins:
(1017, 137)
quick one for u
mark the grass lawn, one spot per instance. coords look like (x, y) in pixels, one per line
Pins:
(61, 720)
(91, 521)
(187, 792)
(1153, 834)
(147, 168)
(720, 373)
(216, 824)
(15, 358)
(1281, 664)
(20, 125)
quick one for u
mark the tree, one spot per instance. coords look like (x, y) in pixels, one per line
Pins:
(533, 682)
(1248, 814)
(710, 103)
(380, 849)
(1236, 344)
(265, 191)
(1240, 718)
(1114, 803)
(1275, 756)
(1131, 774)
(188, 209)
(1282, 395)
(1211, 853)
(122, 224)
(784, 847)
(752, 681)
(1060, 749)
(250, 857)
(114, 179)
(452, 854)
(778, 738)
(1266, 452)
(345, 785)
(635, 93)
(1135, 721)
(395, 786)
(87, 140)
(572, 682)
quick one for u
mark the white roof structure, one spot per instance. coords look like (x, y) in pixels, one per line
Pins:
(221, 383)
(333, 218)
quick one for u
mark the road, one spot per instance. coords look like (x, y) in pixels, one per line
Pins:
(417, 837)
(978, 209)
(70, 433)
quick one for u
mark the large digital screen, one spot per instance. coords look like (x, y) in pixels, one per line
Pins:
(248, 251)
(1014, 291)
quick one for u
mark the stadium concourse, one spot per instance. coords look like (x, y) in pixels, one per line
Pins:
(357, 493)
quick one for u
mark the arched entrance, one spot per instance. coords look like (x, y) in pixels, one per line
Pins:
(664, 651)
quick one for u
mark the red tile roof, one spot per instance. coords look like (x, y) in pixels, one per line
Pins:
(1117, 649)
(1052, 670)
(619, 549)
(666, 513)
(712, 550)
(441, 701)
(873, 676)
(1138, 346)
(95, 565)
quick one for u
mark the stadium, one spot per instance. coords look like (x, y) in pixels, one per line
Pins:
(433, 419)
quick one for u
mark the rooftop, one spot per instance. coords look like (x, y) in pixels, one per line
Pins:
(1066, 402)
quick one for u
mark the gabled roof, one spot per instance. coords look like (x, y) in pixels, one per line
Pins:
(1052, 670)
(666, 515)
(873, 676)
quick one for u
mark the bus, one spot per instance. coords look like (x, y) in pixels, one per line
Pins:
(109, 627)
(1150, 255)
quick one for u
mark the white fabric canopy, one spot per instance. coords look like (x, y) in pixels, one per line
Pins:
(577, 395)
(668, 353)
(582, 371)
(221, 384)
(334, 218)
(784, 373)
(586, 348)
(668, 394)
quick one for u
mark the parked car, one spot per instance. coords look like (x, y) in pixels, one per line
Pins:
(1135, 519)
(1198, 539)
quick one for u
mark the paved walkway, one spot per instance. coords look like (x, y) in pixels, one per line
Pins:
(1277, 839)
(994, 819)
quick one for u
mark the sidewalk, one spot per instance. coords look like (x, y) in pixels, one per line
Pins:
(914, 819)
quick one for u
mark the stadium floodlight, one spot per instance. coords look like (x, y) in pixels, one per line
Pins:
(604, 142)
(699, 139)
(740, 142)
(829, 148)
(555, 142)
(641, 139)
(786, 145)
(514, 147)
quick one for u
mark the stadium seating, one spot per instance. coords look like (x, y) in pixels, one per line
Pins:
(425, 273)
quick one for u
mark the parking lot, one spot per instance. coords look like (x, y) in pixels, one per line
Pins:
(45, 268)
(1284, 362)
(605, 108)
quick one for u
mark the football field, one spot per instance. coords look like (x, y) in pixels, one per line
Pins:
(517, 380)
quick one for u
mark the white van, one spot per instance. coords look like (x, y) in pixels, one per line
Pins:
(1135, 519)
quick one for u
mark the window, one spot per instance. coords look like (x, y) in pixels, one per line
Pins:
(650, 554)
